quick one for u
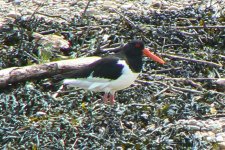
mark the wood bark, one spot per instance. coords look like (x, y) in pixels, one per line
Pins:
(19, 74)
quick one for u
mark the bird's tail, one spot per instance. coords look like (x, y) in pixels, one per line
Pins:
(60, 77)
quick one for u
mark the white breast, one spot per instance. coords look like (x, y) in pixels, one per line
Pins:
(125, 80)
(105, 85)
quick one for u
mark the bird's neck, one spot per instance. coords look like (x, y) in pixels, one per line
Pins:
(135, 64)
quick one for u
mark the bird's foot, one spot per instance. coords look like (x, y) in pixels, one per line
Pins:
(112, 99)
(108, 97)
(105, 98)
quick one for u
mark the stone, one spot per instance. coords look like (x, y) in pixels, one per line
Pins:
(222, 145)
(211, 139)
(63, 9)
(219, 139)
(174, 8)
(13, 14)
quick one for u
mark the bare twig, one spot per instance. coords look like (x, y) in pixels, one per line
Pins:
(171, 87)
(199, 27)
(222, 56)
(51, 31)
(162, 91)
(94, 27)
(215, 92)
(163, 70)
(85, 10)
(35, 11)
(192, 60)
(200, 40)
(214, 116)
(186, 90)
(139, 104)
(178, 88)
(132, 24)
(125, 18)
(52, 16)
(195, 79)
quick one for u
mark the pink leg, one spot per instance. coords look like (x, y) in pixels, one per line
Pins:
(112, 98)
(105, 98)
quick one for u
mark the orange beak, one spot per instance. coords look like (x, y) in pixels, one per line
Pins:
(149, 54)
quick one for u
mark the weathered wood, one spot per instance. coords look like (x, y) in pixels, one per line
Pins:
(18, 74)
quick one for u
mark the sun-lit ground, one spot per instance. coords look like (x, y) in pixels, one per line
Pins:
(179, 105)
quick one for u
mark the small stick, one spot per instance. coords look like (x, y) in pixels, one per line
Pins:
(162, 91)
(85, 10)
(139, 104)
(199, 27)
(195, 79)
(128, 20)
(162, 70)
(172, 87)
(192, 60)
(178, 88)
(186, 90)
(200, 40)
(48, 32)
(214, 116)
(52, 16)
(94, 27)
(222, 56)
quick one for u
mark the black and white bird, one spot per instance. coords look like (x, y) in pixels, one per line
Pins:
(111, 73)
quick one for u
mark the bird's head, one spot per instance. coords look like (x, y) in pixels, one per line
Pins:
(137, 48)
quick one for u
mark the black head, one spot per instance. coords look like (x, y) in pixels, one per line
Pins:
(134, 48)
(134, 51)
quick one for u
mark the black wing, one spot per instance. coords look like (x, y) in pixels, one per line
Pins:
(107, 68)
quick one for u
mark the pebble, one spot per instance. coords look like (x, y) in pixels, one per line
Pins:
(92, 12)
(38, 2)
(148, 1)
(214, 127)
(29, 12)
(156, 4)
(222, 145)
(221, 134)
(193, 127)
(220, 83)
(210, 139)
(182, 122)
(63, 9)
(142, 131)
(192, 122)
(40, 113)
(80, 3)
(25, 18)
(13, 14)
(109, 4)
(200, 124)
(101, 130)
(173, 8)
(219, 139)
(128, 7)
(17, 2)
(56, 41)
(164, 3)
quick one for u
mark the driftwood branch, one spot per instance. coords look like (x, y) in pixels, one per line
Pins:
(18, 74)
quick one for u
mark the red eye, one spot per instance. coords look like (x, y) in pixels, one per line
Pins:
(137, 45)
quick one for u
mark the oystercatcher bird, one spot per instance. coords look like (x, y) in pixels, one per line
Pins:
(111, 73)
